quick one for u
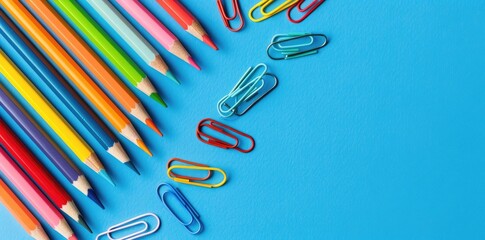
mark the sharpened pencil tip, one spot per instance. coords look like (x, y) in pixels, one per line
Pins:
(132, 166)
(84, 224)
(149, 122)
(193, 63)
(105, 175)
(209, 42)
(158, 99)
(170, 75)
(144, 147)
(92, 195)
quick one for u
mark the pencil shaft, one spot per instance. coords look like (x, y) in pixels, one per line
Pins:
(48, 113)
(33, 195)
(46, 145)
(88, 58)
(166, 38)
(185, 19)
(74, 72)
(44, 72)
(33, 168)
(21, 213)
(45, 110)
(96, 35)
(123, 28)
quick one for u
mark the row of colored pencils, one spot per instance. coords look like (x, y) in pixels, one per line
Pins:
(59, 47)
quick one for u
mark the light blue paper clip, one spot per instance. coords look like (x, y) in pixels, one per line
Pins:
(245, 90)
(295, 45)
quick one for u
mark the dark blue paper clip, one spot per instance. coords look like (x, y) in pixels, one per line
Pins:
(194, 220)
(289, 46)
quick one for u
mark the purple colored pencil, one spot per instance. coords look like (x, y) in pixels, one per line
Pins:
(47, 146)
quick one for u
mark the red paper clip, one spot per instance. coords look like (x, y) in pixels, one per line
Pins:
(306, 10)
(226, 19)
(226, 131)
(169, 163)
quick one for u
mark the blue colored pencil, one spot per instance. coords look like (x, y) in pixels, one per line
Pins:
(46, 145)
(46, 74)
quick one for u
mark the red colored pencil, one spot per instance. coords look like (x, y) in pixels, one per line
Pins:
(185, 19)
(34, 196)
(51, 188)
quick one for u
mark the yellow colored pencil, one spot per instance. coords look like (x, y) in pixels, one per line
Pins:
(73, 71)
(51, 116)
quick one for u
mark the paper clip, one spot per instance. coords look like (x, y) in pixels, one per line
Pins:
(245, 90)
(195, 183)
(225, 130)
(305, 10)
(132, 223)
(195, 217)
(169, 163)
(267, 14)
(282, 46)
(227, 19)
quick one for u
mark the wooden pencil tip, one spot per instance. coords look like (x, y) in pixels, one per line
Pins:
(132, 167)
(92, 195)
(118, 152)
(39, 234)
(144, 147)
(170, 75)
(158, 99)
(193, 63)
(84, 224)
(206, 39)
(105, 175)
(149, 122)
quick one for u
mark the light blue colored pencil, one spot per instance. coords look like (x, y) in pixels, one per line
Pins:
(44, 74)
(131, 36)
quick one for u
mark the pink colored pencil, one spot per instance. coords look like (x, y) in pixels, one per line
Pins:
(34, 196)
(157, 30)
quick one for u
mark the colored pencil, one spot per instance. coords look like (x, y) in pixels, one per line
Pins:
(100, 39)
(47, 146)
(44, 72)
(34, 196)
(51, 116)
(185, 19)
(33, 168)
(75, 74)
(131, 36)
(21, 213)
(157, 30)
(91, 62)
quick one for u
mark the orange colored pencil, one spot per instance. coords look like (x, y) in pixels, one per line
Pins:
(73, 71)
(21, 213)
(92, 62)
(185, 19)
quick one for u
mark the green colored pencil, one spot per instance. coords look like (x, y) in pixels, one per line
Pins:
(107, 46)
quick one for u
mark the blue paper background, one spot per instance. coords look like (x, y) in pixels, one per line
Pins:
(379, 136)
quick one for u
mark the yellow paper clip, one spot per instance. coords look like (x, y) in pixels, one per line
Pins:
(267, 14)
(196, 183)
